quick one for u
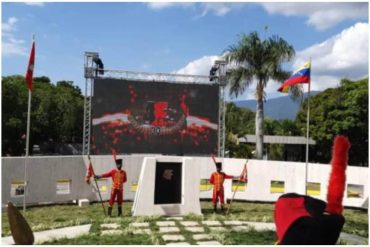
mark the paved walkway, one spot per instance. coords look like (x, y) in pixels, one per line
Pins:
(170, 231)
(67, 232)
(203, 238)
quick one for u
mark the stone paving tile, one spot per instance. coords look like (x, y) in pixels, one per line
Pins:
(111, 232)
(211, 223)
(173, 237)
(233, 223)
(169, 229)
(139, 224)
(178, 243)
(261, 226)
(218, 228)
(240, 228)
(353, 239)
(194, 229)
(165, 223)
(209, 243)
(110, 226)
(201, 236)
(142, 231)
(189, 223)
(174, 218)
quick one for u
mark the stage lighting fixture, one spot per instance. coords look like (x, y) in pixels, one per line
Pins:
(100, 65)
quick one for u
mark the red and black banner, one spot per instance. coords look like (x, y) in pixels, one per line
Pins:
(154, 117)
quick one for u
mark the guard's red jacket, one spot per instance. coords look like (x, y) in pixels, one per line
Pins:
(217, 179)
(118, 177)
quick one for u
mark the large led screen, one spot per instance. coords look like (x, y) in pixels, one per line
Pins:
(154, 117)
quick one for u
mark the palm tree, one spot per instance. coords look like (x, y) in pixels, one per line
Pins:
(255, 59)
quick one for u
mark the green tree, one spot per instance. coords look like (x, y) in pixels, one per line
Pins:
(342, 110)
(239, 122)
(260, 60)
(14, 114)
(42, 111)
(69, 110)
(56, 113)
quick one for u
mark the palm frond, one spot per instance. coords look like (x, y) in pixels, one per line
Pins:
(256, 58)
(239, 79)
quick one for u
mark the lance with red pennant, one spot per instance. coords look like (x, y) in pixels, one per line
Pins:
(91, 173)
(214, 159)
(243, 178)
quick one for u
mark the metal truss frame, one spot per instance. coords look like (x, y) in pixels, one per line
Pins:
(92, 73)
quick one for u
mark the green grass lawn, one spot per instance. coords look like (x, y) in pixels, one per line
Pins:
(51, 217)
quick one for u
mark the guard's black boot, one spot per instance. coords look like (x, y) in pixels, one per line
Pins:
(119, 211)
(110, 211)
(215, 208)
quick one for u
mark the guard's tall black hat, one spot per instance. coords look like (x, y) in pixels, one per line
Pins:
(301, 220)
(219, 165)
(118, 161)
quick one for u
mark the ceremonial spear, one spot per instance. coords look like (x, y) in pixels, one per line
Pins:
(92, 173)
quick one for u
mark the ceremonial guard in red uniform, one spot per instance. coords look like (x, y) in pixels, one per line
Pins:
(119, 177)
(305, 220)
(217, 179)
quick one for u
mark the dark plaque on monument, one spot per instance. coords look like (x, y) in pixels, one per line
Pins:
(168, 182)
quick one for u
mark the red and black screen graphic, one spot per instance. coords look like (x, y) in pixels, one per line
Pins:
(154, 117)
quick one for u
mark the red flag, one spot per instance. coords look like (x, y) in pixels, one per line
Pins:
(114, 154)
(244, 174)
(90, 173)
(31, 64)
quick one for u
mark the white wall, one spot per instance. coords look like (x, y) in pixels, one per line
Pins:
(43, 172)
(261, 173)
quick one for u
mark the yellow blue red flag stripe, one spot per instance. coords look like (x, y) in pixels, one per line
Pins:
(301, 75)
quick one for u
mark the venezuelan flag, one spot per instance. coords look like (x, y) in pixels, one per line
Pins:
(301, 75)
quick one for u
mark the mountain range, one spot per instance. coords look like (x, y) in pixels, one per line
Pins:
(277, 108)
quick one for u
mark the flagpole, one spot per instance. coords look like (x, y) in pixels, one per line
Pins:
(27, 142)
(307, 131)
(27, 149)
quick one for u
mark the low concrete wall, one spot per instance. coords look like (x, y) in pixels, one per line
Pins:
(43, 173)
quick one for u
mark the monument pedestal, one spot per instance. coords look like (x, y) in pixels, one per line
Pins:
(167, 186)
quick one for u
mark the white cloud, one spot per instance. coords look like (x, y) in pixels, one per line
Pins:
(39, 4)
(10, 48)
(11, 45)
(199, 66)
(164, 5)
(344, 55)
(320, 15)
(219, 9)
(9, 26)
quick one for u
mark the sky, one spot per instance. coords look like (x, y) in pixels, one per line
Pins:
(184, 38)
